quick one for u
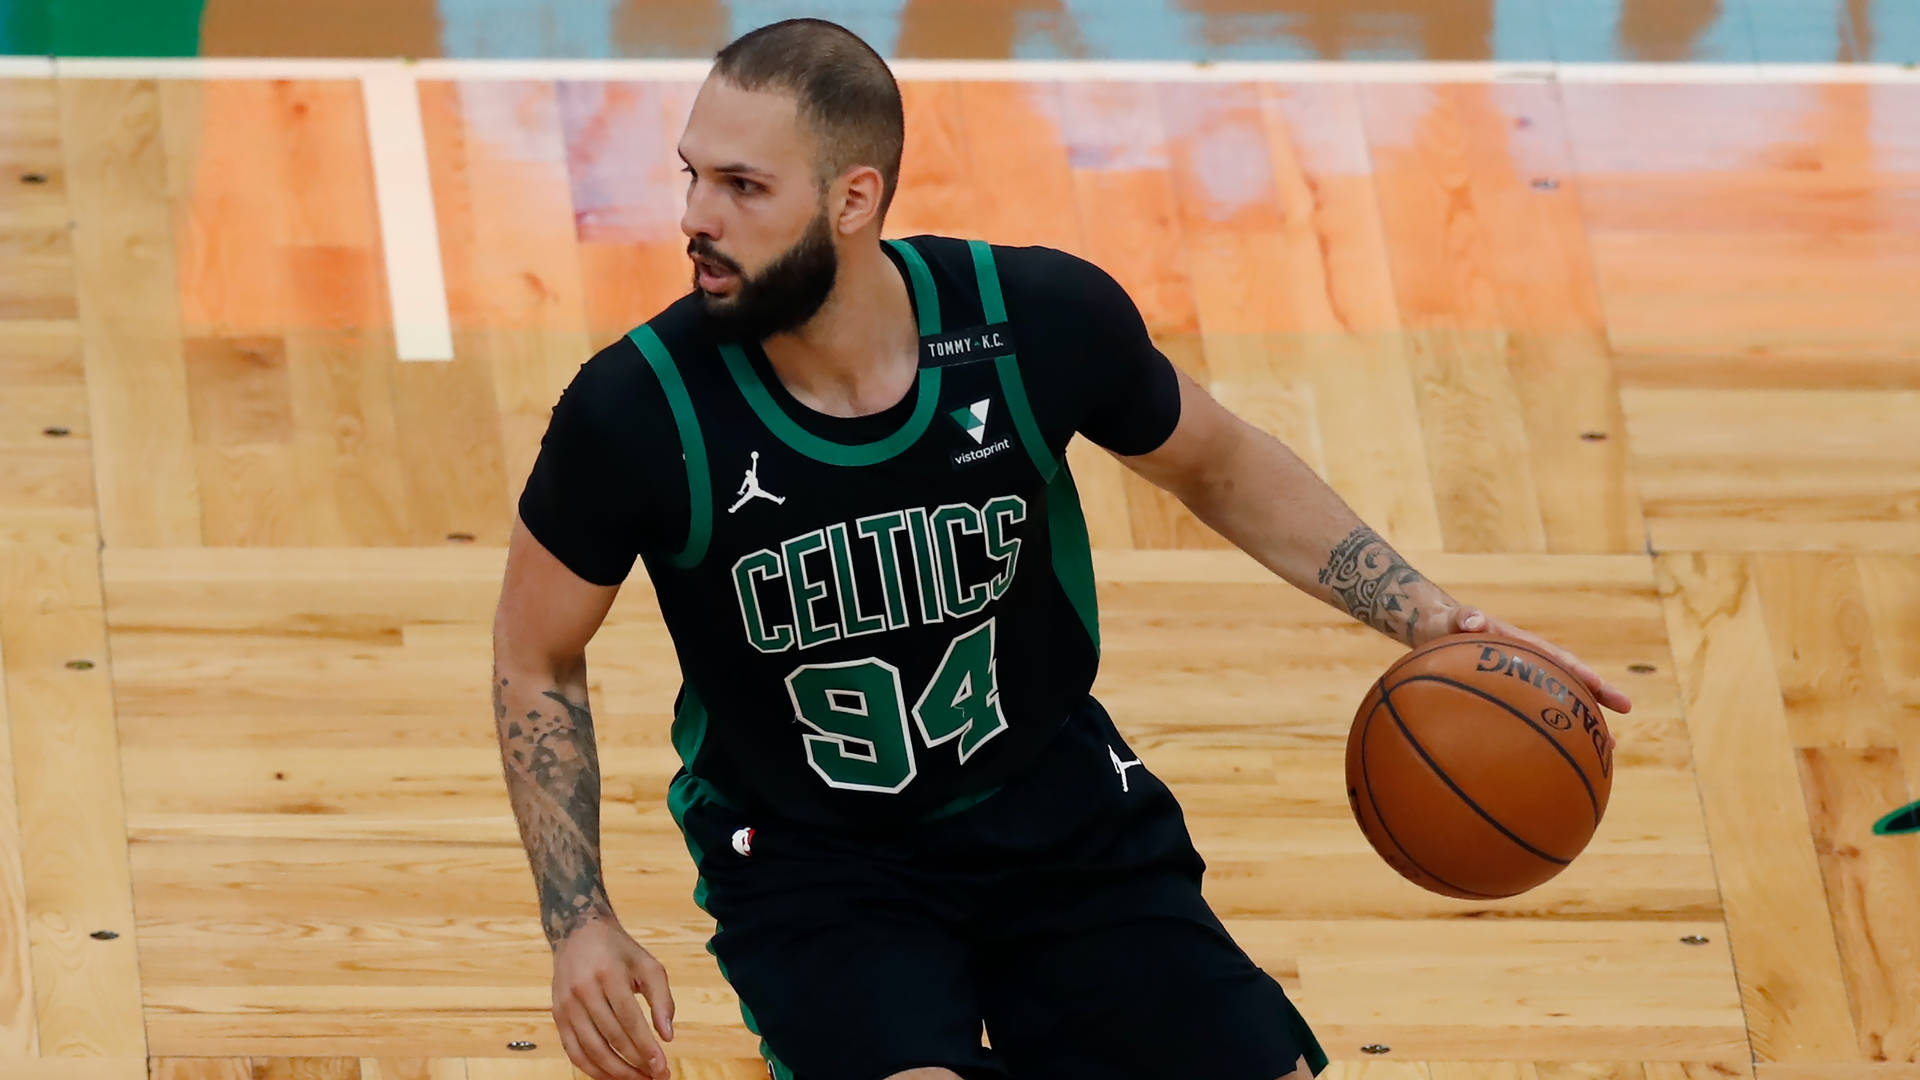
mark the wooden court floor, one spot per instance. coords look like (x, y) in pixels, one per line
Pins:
(1635, 365)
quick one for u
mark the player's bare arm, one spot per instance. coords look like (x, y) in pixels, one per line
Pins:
(1249, 487)
(545, 617)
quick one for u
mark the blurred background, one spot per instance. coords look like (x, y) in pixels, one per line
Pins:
(1568, 30)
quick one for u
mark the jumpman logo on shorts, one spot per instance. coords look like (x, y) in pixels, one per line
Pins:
(1121, 767)
(750, 487)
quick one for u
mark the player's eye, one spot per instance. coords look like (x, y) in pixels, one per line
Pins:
(744, 186)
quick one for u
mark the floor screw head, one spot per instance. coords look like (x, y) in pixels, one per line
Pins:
(103, 935)
(1640, 669)
(1375, 1048)
(80, 665)
(520, 1044)
(1545, 183)
(1693, 939)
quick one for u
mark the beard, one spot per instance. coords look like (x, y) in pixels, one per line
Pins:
(779, 298)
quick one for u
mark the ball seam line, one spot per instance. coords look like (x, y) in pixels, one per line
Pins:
(1367, 778)
(1386, 699)
(1593, 799)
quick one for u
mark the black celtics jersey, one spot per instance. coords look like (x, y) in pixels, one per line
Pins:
(884, 622)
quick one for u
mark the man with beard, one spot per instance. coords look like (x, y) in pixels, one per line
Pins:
(842, 461)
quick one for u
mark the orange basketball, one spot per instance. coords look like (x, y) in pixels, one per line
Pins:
(1477, 767)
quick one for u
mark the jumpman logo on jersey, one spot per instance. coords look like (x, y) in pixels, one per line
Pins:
(750, 487)
(1121, 767)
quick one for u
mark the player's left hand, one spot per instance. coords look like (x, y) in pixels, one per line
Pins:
(1465, 619)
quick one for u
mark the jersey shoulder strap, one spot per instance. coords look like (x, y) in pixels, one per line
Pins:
(993, 305)
(693, 448)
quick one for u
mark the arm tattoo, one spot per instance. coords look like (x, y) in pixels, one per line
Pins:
(553, 780)
(1372, 582)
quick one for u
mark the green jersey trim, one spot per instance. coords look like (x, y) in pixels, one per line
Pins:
(926, 298)
(826, 450)
(689, 725)
(1072, 555)
(693, 447)
(926, 303)
(994, 306)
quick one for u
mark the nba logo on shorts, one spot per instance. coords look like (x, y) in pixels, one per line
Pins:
(743, 841)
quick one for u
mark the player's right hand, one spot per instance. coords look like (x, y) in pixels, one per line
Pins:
(596, 971)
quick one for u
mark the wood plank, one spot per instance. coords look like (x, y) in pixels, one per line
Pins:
(1853, 1071)
(36, 256)
(416, 1068)
(1750, 219)
(1367, 419)
(276, 227)
(19, 1034)
(73, 848)
(143, 460)
(346, 439)
(1871, 884)
(1339, 341)
(1525, 982)
(1591, 1070)
(1375, 1069)
(1337, 278)
(514, 285)
(1697, 1070)
(1481, 201)
(1435, 216)
(1823, 651)
(1801, 470)
(1482, 1070)
(243, 434)
(46, 489)
(1892, 593)
(78, 1068)
(1791, 977)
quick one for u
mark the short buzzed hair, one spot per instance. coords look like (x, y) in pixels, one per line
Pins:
(846, 92)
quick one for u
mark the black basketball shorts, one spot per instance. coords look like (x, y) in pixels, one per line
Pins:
(1063, 913)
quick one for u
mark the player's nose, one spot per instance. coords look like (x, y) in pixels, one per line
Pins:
(699, 218)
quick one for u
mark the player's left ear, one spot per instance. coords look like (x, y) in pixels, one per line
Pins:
(854, 200)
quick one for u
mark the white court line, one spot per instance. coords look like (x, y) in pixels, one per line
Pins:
(26, 67)
(409, 232)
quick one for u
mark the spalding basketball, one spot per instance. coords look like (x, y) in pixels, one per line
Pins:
(1477, 767)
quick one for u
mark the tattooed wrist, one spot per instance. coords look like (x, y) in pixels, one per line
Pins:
(553, 780)
(1374, 584)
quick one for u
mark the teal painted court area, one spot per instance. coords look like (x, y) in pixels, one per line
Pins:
(1712, 31)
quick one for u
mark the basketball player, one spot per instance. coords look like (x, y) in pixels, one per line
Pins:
(842, 463)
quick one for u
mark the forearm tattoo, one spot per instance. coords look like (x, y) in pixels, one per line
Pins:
(1373, 583)
(553, 780)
